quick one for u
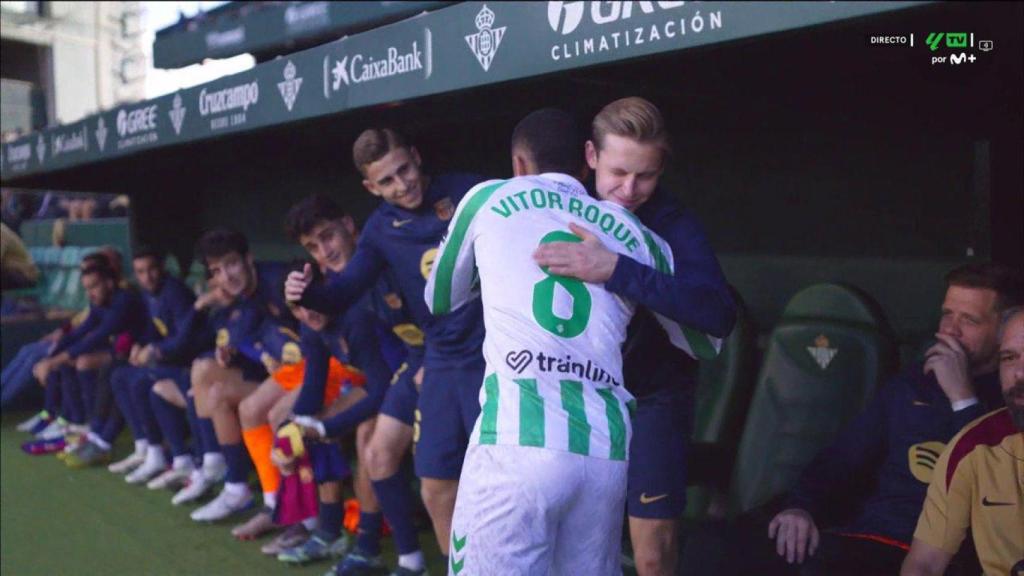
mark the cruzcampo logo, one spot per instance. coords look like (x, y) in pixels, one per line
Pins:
(457, 546)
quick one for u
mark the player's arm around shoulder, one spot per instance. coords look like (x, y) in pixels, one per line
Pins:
(450, 281)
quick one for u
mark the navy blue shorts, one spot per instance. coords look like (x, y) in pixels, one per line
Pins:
(401, 398)
(329, 464)
(448, 408)
(656, 486)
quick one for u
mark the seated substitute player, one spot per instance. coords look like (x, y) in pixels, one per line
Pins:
(79, 356)
(22, 366)
(174, 405)
(978, 482)
(329, 235)
(401, 236)
(628, 151)
(354, 338)
(867, 488)
(237, 368)
(168, 302)
(544, 481)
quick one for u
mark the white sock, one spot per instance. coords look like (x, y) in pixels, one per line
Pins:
(213, 459)
(140, 447)
(412, 560)
(236, 488)
(270, 499)
(155, 456)
(310, 523)
(99, 442)
(183, 462)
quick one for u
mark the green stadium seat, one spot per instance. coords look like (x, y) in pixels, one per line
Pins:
(196, 279)
(822, 364)
(724, 387)
(172, 266)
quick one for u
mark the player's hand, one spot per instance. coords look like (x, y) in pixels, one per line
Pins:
(41, 370)
(311, 427)
(417, 379)
(270, 363)
(223, 355)
(147, 355)
(284, 464)
(588, 260)
(796, 537)
(947, 360)
(297, 283)
(133, 355)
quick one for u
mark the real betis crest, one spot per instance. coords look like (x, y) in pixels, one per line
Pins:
(821, 352)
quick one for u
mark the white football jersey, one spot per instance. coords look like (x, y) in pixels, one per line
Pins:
(552, 346)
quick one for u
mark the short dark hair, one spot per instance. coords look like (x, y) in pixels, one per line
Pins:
(104, 271)
(149, 252)
(373, 144)
(1004, 280)
(310, 212)
(94, 259)
(221, 241)
(552, 139)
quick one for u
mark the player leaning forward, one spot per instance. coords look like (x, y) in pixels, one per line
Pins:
(544, 481)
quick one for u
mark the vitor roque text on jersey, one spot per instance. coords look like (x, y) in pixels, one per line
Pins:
(537, 198)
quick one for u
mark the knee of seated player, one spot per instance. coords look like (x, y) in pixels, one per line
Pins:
(168, 390)
(217, 397)
(380, 459)
(93, 361)
(252, 411)
(364, 435)
(200, 372)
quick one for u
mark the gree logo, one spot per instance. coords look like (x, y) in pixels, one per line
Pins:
(565, 17)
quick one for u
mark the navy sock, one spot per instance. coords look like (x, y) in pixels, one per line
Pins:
(87, 381)
(195, 427)
(171, 421)
(112, 427)
(139, 388)
(71, 396)
(238, 462)
(395, 496)
(208, 436)
(119, 380)
(368, 541)
(51, 397)
(330, 515)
